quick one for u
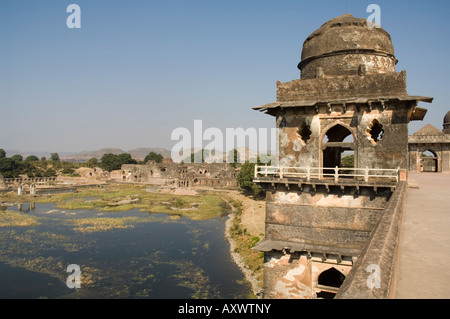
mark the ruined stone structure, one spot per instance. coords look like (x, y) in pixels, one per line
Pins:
(27, 180)
(320, 215)
(429, 148)
(219, 175)
(2, 182)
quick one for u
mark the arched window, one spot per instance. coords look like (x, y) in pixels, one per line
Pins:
(304, 132)
(338, 144)
(429, 161)
(338, 133)
(375, 131)
(330, 281)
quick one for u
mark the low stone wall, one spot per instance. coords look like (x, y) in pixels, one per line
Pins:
(374, 274)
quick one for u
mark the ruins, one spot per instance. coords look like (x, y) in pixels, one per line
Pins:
(2, 182)
(325, 220)
(218, 175)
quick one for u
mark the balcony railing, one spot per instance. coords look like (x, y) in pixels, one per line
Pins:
(322, 173)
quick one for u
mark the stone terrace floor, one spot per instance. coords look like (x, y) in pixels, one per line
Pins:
(425, 244)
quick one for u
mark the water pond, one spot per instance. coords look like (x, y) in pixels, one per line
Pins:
(124, 254)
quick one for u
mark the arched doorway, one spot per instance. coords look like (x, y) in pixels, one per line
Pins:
(329, 282)
(429, 161)
(338, 148)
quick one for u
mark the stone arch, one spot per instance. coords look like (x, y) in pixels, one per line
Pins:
(429, 161)
(329, 281)
(336, 139)
(337, 132)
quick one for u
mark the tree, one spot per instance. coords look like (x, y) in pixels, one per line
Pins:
(68, 170)
(152, 156)
(49, 172)
(17, 158)
(2, 153)
(348, 161)
(32, 158)
(245, 178)
(126, 158)
(54, 157)
(197, 157)
(92, 162)
(110, 162)
(233, 157)
(8, 167)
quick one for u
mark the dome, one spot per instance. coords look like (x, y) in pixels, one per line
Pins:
(447, 119)
(346, 45)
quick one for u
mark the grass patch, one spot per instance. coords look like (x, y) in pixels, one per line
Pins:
(16, 219)
(96, 224)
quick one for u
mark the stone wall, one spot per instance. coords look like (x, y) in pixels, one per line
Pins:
(311, 231)
(322, 218)
(2, 182)
(341, 87)
(296, 276)
(390, 151)
(439, 145)
(379, 256)
(219, 175)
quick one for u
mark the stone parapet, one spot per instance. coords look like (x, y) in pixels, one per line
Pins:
(341, 87)
(373, 275)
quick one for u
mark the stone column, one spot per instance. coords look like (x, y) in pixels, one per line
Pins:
(20, 190)
(33, 189)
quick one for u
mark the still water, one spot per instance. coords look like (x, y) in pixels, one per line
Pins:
(130, 254)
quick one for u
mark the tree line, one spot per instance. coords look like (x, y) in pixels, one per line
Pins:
(32, 166)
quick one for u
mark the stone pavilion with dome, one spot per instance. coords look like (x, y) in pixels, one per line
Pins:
(348, 102)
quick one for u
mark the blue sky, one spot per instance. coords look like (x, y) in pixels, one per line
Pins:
(136, 70)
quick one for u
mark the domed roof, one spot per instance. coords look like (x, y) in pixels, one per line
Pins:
(447, 118)
(347, 35)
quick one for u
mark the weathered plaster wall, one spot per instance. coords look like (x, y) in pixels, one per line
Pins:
(295, 276)
(322, 218)
(390, 152)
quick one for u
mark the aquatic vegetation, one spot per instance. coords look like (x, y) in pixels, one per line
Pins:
(95, 224)
(117, 197)
(16, 219)
(194, 278)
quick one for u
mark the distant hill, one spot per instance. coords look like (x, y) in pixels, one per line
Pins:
(138, 153)
(141, 153)
(10, 153)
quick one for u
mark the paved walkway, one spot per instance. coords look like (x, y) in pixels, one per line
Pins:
(425, 244)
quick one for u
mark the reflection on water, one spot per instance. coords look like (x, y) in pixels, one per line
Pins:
(21, 207)
(121, 255)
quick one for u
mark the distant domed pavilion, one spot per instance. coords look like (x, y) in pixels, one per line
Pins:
(429, 148)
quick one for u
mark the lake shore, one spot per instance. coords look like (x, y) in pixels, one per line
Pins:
(250, 276)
